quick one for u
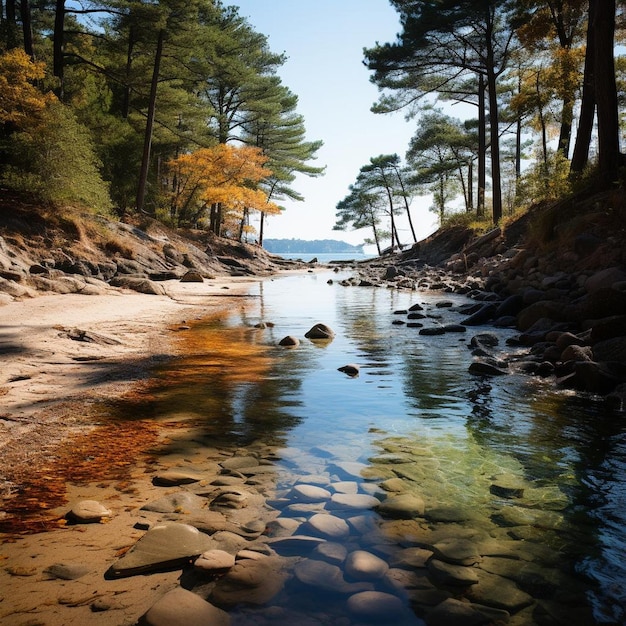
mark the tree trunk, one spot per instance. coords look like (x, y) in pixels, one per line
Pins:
(27, 29)
(147, 142)
(494, 134)
(406, 205)
(261, 228)
(565, 135)
(129, 62)
(470, 185)
(482, 148)
(376, 238)
(58, 61)
(606, 91)
(588, 102)
(11, 24)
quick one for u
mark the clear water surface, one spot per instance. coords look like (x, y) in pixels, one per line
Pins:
(414, 406)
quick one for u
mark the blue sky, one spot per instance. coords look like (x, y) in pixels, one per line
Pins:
(324, 40)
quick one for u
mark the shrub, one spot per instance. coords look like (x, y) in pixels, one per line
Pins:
(56, 161)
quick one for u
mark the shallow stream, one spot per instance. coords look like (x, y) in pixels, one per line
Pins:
(507, 460)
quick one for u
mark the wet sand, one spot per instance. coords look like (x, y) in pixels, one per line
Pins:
(62, 354)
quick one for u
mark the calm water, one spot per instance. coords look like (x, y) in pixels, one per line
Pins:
(414, 408)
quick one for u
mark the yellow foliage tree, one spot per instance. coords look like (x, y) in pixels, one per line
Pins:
(223, 178)
(21, 103)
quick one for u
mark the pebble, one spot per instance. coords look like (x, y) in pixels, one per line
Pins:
(180, 607)
(88, 511)
(403, 506)
(175, 477)
(327, 526)
(310, 493)
(214, 560)
(377, 606)
(356, 501)
(362, 565)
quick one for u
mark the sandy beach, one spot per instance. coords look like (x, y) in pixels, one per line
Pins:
(59, 354)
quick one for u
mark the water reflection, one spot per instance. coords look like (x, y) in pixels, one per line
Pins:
(538, 473)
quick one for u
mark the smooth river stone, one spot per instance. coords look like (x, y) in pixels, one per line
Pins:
(327, 526)
(165, 545)
(180, 502)
(362, 565)
(250, 581)
(322, 575)
(457, 551)
(214, 560)
(88, 511)
(175, 477)
(448, 574)
(345, 486)
(310, 493)
(499, 592)
(376, 606)
(356, 501)
(331, 552)
(180, 607)
(296, 544)
(403, 506)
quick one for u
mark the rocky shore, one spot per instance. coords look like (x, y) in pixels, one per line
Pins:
(568, 304)
(206, 535)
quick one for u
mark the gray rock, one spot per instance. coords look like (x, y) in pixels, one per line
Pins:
(165, 546)
(320, 331)
(411, 558)
(289, 341)
(448, 574)
(377, 606)
(331, 552)
(141, 285)
(295, 544)
(326, 576)
(403, 506)
(326, 526)
(192, 276)
(605, 278)
(499, 592)
(179, 502)
(457, 551)
(355, 501)
(250, 581)
(363, 565)
(88, 511)
(351, 370)
(175, 477)
(309, 493)
(487, 367)
(282, 527)
(214, 560)
(610, 349)
(453, 612)
(180, 607)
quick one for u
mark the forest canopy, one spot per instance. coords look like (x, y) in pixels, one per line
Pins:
(545, 91)
(120, 104)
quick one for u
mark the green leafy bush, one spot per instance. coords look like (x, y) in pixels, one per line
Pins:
(56, 161)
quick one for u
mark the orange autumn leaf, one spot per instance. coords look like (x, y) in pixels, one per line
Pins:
(224, 174)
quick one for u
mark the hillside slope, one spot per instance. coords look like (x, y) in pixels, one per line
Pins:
(45, 249)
